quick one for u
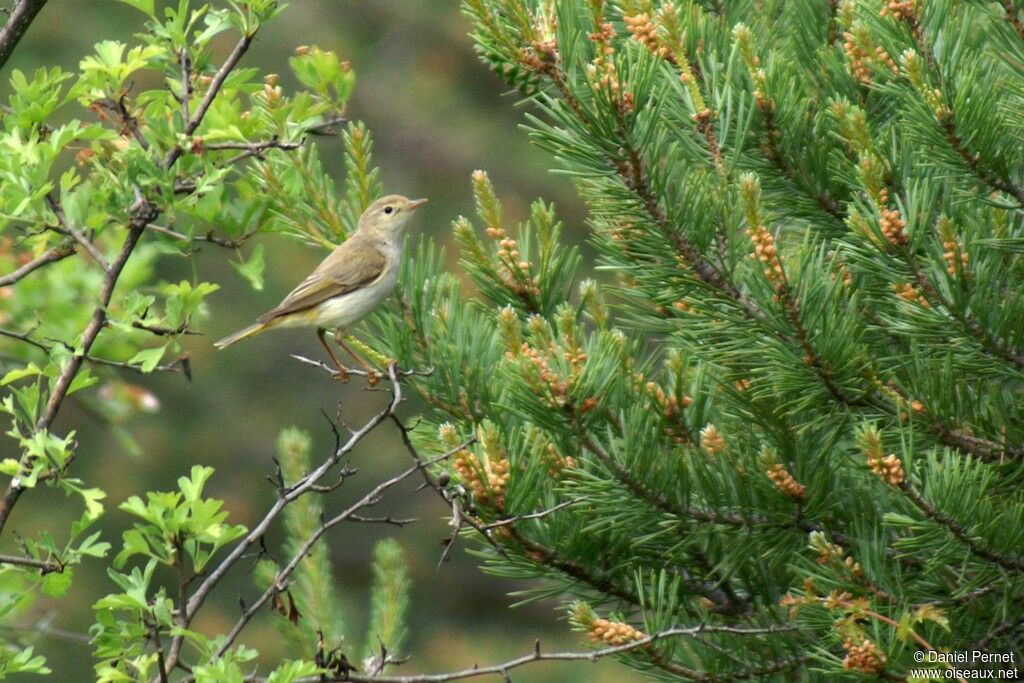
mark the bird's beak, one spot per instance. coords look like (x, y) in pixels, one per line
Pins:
(416, 203)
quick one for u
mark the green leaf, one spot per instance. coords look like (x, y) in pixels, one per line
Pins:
(56, 584)
(148, 359)
(252, 270)
(289, 671)
(83, 380)
(29, 370)
(145, 6)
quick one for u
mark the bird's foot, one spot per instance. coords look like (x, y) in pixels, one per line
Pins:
(341, 375)
(373, 378)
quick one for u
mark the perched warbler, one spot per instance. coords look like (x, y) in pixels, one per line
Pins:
(348, 284)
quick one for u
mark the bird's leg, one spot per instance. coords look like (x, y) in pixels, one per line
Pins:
(372, 376)
(342, 374)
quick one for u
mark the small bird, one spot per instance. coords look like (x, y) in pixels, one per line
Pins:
(348, 284)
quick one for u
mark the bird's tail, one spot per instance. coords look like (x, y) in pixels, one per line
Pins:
(227, 341)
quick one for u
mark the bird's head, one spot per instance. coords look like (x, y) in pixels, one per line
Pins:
(388, 215)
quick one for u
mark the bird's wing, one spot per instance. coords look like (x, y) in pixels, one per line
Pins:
(346, 269)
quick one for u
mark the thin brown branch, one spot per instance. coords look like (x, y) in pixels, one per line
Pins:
(20, 18)
(327, 126)
(279, 583)
(992, 343)
(44, 566)
(25, 337)
(773, 151)
(974, 162)
(255, 147)
(161, 331)
(241, 47)
(537, 655)
(129, 124)
(43, 630)
(186, 83)
(287, 495)
(660, 501)
(1008, 626)
(394, 521)
(58, 253)
(79, 236)
(331, 369)
(208, 237)
(534, 515)
(124, 365)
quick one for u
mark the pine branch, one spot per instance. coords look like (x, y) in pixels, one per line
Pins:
(1012, 15)
(974, 162)
(1008, 562)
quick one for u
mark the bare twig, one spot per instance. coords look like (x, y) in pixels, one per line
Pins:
(79, 236)
(394, 521)
(218, 80)
(44, 566)
(53, 255)
(255, 148)
(45, 630)
(129, 124)
(330, 369)
(534, 515)
(209, 237)
(537, 655)
(160, 331)
(287, 495)
(17, 23)
(25, 337)
(328, 126)
(280, 580)
(124, 365)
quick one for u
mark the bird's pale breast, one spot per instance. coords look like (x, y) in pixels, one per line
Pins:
(348, 309)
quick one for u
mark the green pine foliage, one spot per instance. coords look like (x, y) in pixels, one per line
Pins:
(309, 601)
(389, 603)
(791, 402)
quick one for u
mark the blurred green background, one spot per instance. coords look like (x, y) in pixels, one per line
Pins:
(436, 114)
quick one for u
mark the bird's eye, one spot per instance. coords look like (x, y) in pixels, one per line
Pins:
(389, 209)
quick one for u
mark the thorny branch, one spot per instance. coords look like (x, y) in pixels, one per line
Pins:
(287, 495)
(279, 583)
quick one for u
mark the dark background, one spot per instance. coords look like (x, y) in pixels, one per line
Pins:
(436, 114)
